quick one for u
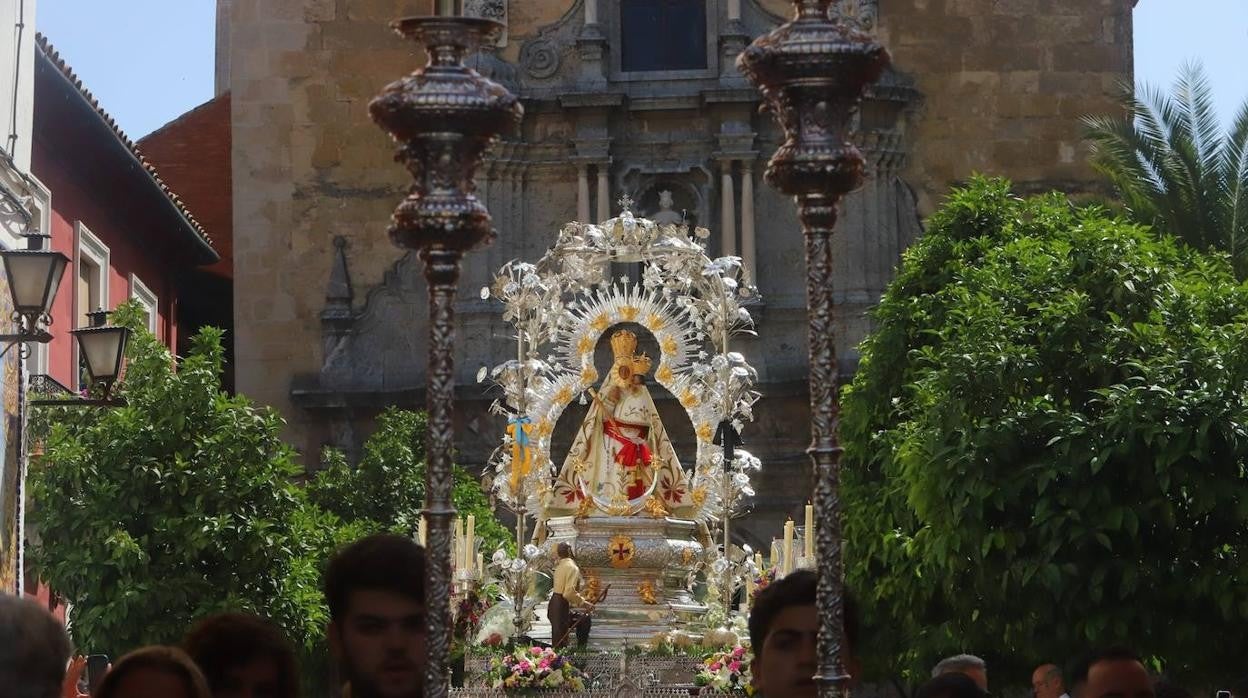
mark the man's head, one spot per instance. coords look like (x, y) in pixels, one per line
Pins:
(243, 656)
(563, 550)
(783, 631)
(1116, 672)
(375, 590)
(967, 664)
(35, 649)
(1046, 682)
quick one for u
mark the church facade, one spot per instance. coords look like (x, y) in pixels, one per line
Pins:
(636, 98)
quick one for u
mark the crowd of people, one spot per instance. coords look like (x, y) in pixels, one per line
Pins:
(375, 592)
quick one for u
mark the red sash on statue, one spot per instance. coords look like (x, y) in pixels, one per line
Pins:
(630, 454)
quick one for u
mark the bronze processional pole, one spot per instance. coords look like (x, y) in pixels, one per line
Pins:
(812, 72)
(443, 117)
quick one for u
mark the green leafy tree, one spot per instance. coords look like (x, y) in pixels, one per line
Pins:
(386, 490)
(1174, 166)
(1046, 443)
(177, 505)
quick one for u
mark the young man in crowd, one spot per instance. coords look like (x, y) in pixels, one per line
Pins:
(243, 656)
(784, 627)
(375, 589)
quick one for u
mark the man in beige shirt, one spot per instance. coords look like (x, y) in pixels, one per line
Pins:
(565, 596)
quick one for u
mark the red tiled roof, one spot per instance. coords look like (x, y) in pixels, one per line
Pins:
(55, 58)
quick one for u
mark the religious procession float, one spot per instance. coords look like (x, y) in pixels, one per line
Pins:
(612, 313)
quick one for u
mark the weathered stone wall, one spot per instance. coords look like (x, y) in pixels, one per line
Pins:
(1003, 85)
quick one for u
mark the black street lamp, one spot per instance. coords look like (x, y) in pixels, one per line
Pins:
(34, 276)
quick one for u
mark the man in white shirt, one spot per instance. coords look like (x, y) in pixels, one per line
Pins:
(1046, 682)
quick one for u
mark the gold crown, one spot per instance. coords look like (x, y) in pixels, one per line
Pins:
(623, 344)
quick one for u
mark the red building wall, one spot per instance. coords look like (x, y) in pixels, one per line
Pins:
(131, 251)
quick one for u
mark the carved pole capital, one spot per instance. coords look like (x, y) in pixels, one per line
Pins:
(812, 72)
(443, 118)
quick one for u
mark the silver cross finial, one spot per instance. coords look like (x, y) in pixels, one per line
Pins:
(626, 203)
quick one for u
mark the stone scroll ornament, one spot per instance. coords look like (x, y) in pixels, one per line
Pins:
(443, 117)
(812, 72)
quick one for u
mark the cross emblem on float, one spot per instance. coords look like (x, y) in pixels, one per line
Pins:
(621, 550)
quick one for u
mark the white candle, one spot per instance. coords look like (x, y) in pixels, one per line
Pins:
(591, 12)
(446, 8)
(758, 562)
(481, 565)
(458, 552)
(422, 531)
(469, 540)
(788, 547)
(810, 533)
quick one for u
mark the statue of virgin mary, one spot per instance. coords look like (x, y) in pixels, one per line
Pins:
(621, 457)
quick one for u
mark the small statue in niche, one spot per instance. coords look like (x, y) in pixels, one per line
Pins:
(665, 214)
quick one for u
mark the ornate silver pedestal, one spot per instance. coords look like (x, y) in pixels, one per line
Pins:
(648, 564)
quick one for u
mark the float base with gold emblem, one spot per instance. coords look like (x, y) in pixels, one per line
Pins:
(647, 562)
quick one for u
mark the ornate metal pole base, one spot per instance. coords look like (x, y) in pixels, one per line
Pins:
(812, 72)
(444, 116)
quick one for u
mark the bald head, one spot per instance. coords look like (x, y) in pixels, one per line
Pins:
(1046, 682)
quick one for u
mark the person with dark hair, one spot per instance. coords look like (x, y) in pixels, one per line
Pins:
(1115, 672)
(375, 589)
(243, 656)
(564, 596)
(154, 671)
(33, 649)
(952, 684)
(784, 625)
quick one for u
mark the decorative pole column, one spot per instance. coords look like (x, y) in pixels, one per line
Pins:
(727, 209)
(604, 192)
(812, 72)
(748, 246)
(582, 192)
(443, 117)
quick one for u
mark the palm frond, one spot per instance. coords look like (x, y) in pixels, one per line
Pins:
(1174, 167)
(1195, 95)
(1233, 165)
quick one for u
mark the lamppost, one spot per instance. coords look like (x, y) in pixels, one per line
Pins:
(443, 117)
(103, 350)
(34, 275)
(812, 72)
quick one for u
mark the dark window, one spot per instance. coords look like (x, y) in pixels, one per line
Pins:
(663, 35)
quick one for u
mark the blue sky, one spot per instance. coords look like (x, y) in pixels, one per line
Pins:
(150, 60)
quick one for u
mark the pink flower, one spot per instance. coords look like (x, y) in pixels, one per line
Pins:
(734, 666)
(738, 652)
(715, 666)
(535, 651)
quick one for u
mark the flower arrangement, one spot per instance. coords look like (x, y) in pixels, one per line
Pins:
(534, 669)
(727, 672)
(764, 580)
(468, 614)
